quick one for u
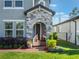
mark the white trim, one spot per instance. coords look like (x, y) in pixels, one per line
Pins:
(33, 11)
(40, 31)
(14, 20)
(33, 3)
(35, 29)
(13, 8)
(8, 29)
(40, 9)
(46, 11)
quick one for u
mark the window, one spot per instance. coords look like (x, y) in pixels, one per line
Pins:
(8, 29)
(19, 25)
(19, 33)
(42, 2)
(18, 4)
(35, 2)
(8, 25)
(13, 3)
(19, 29)
(8, 33)
(8, 3)
(14, 28)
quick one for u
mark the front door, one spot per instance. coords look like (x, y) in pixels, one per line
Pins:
(39, 31)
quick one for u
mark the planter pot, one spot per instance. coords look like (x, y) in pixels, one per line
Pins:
(51, 49)
(29, 45)
(55, 50)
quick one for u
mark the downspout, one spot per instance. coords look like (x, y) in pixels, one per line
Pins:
(70, 33)
(75, 32)
(66, 36)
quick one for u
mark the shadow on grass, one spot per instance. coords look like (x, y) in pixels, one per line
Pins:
(71, 52)
(67, 52)
(72, 49)
(65, 44)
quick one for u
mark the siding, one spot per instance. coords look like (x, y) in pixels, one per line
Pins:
(14, 14)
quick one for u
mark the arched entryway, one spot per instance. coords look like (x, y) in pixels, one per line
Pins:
(39, 31)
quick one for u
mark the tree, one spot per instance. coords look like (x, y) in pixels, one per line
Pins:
(74, 12)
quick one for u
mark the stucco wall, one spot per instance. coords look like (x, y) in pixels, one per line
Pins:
(68, 29)
(62, 35)
(72, 39)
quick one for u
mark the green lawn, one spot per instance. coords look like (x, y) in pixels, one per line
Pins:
(71, 52)
(66, 45)
(37, 55)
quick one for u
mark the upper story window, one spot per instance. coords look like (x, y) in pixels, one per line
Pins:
(18, 3)
(13, 4)
(8, 3)
(35, 2)
(42, 2)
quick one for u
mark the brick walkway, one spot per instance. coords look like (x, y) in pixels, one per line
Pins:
(34, 49)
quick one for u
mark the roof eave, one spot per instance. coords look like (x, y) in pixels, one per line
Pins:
(72, 19)
(53, 12)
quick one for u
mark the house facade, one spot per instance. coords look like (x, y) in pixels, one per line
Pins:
(68, 30)
(25, 18)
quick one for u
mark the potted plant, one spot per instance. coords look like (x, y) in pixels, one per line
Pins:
(29, 42)
(51, 45)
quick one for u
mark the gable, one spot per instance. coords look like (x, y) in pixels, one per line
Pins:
(39, 7)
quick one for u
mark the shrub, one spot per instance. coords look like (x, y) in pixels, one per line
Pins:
(0, 46)
(15, 46)
(51, 43)
(55, 35)
(11, 43)
(51, 36)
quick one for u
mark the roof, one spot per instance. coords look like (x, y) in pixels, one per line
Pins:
(37, 6)
(72, 19)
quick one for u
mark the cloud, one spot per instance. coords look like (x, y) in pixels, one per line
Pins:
(55, 20)
(60, 15)
(65, 17)
(53, 5)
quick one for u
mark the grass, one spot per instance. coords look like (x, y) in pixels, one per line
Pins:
(67, 45)
(70, 49)
(71, 52)
(40, 55)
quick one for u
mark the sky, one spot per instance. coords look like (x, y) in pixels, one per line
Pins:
(62, 9)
